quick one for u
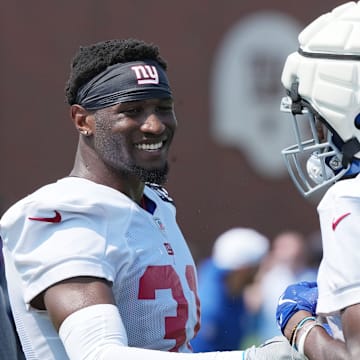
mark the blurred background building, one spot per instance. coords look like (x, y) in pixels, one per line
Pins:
(225, 60)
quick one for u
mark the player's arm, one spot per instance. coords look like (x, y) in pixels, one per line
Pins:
(68, 296)
(317, 344)
(350, 319)
(296, 318)
(83, 311)
(90, 327)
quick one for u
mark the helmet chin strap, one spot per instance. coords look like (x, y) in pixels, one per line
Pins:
(296, 106)
(349, 149)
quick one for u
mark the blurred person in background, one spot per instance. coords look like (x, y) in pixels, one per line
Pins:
(289, 260)
(226, 321)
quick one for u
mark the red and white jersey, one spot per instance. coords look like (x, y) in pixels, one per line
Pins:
(76, 227)
(339, 272)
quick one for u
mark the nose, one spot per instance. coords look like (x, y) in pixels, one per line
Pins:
(153, 124)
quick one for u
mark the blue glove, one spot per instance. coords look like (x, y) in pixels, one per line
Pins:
(300, 296)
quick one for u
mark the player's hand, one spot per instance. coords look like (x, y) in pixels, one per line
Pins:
(276, 348)
(300, 296)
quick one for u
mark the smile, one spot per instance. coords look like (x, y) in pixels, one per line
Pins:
(149, 147)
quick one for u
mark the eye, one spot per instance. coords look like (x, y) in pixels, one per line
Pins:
(132, 111)
(165, 108)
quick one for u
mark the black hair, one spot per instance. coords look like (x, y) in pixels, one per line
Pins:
(93, 59)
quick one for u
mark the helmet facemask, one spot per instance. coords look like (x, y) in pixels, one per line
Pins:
(322, 81)
(314, 161)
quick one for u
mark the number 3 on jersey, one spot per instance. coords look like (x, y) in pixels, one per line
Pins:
(165, 277)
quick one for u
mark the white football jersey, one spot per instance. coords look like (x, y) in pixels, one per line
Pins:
(339, 271)
(76, 227)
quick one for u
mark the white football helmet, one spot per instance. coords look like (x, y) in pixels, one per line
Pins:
(322, 80)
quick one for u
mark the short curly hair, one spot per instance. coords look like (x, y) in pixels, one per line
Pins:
(93, 59)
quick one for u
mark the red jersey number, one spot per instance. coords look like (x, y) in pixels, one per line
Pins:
(165, 277)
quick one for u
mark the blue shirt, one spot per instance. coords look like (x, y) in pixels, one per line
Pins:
(225, 322)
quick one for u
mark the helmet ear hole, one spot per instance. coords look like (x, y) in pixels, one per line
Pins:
(357, 121)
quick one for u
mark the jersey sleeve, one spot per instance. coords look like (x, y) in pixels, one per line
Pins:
(50, 243)
(339, 272)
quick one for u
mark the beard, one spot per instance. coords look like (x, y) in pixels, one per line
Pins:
(153, 176)
(125, 167)
(113, 152)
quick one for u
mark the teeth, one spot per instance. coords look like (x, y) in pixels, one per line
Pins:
(149, 147)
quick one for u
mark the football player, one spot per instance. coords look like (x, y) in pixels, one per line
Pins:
(96, 264)
(322, 81)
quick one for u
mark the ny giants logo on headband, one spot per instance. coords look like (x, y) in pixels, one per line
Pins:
(146, 74)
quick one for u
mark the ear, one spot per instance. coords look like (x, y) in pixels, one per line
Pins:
(83, 119)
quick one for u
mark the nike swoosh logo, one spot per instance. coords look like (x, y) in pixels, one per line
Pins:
(336, 222)
(54, 219)
(284, 301)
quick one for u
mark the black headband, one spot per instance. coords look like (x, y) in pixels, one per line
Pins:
(123, 82)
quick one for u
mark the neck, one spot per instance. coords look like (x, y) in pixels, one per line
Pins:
(87, 165)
